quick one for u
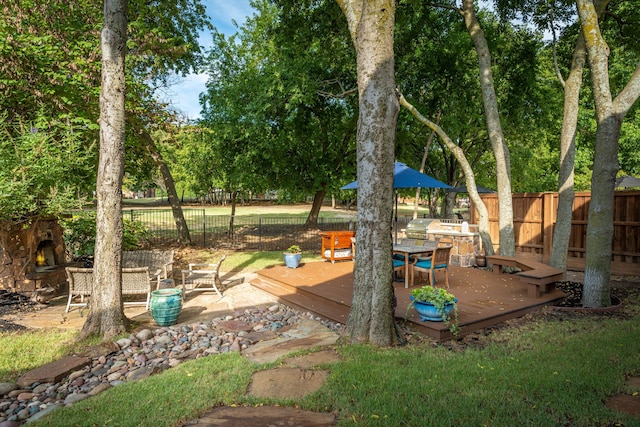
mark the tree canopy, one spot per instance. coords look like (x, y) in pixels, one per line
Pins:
(275, 100)
(50, 83)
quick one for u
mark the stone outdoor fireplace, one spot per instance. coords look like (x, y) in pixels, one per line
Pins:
(32, 255)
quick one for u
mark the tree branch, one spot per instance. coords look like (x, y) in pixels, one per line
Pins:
(343, 92)
(629, 94)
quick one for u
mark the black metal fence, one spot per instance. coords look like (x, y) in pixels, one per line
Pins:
(266, 233)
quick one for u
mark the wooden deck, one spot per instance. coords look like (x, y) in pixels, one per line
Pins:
(485, 299)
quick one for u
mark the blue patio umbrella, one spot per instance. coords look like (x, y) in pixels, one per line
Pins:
(627, 181)
(406, 177)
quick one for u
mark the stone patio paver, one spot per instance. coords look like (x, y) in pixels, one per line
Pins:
(54, 371)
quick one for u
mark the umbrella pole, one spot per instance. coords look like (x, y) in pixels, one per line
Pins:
(396, 221)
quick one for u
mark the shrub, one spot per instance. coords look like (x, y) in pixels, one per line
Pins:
(80, 234)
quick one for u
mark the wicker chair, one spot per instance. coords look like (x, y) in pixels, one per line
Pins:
(160, 263)
(203, 277)
(135, 281)
(80, 282)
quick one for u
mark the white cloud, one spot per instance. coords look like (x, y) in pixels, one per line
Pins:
(184, 95)
(223, 12)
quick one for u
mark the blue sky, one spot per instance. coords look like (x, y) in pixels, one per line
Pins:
(183, 95)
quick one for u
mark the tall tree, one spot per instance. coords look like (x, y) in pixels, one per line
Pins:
(551, 16)
(279, 80)
(610, 114)
(562, 230)
(106, 315)
(174, 201)
(496, 136)
(371, 25)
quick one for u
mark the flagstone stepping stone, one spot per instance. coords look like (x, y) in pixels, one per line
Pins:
(54, 371)
(286, 383)
(306, 334)
(242, 416)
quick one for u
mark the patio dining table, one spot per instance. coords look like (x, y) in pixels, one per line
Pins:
(407, 251)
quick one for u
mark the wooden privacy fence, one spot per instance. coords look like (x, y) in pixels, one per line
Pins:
(534, 218)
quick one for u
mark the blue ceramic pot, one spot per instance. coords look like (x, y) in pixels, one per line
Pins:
(292, 260)
(166, 305)
(428, 313)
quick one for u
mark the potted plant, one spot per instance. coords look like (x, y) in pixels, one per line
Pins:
(435, 305)
(292, 256)
(481, 260)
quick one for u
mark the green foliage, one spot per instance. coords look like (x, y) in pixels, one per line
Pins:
(80, 234)
(274, 104)
(294, 249)
(439, 298)
(630, 144)
(44, 168)
(437, 69)
(51, 67)
(50, 56)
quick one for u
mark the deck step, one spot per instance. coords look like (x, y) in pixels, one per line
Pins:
(538, 276)
(303, 300)
(519, 262)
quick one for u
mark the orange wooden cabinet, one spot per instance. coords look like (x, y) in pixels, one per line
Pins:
(336, 245)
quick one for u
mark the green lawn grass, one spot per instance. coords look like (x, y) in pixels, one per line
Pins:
(22, 351)
(545, 373)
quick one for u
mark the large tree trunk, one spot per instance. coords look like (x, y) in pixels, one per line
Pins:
(232, 217)
(172, 195)
(470, 180)
(318, 198)
(609, 117)
(371, 25)
(496, 136)
(106, 314)
(449, 201)
(566, 193)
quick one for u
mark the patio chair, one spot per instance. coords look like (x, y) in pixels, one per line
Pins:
(135, 281)
(80, 282)
(439, 261)
(138, 281)
(398, 269)
(203, 277)
(409, 242)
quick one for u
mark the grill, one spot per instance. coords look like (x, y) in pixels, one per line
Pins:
(417, 228)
